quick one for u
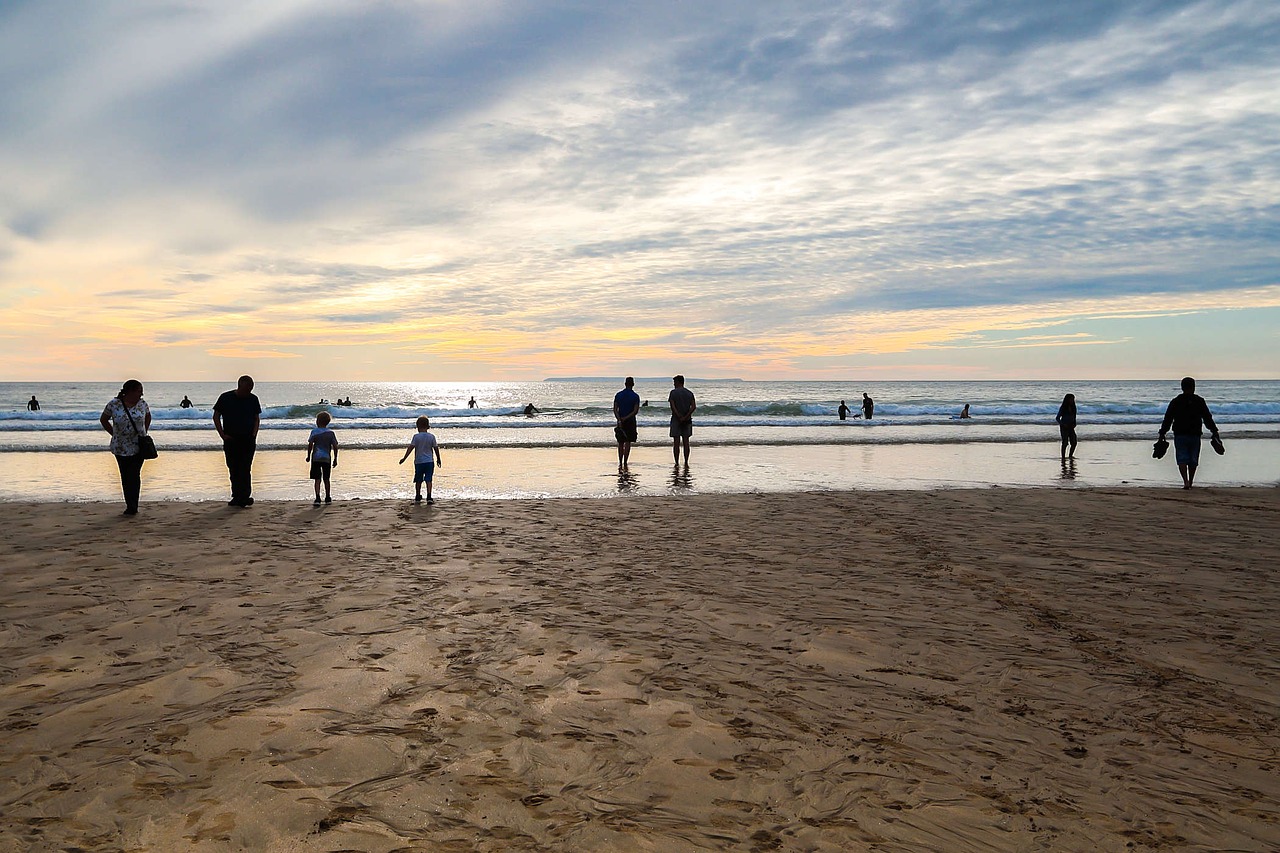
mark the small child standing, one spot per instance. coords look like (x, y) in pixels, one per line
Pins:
(322, 453)
(423, 444)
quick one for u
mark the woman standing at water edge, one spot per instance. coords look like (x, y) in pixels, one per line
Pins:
(1067, 424)
(127, 417)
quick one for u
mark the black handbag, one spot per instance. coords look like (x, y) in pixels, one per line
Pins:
(146, 446)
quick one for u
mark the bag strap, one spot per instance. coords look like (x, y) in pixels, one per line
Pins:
(130, 417)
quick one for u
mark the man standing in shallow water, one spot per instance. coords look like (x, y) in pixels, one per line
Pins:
(1185, 414)
(682, 407)
(236, 417)
(626, 404)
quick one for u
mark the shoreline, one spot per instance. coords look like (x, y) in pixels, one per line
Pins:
(958, 670)
(519, 473)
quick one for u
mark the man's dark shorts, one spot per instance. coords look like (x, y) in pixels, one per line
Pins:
(1186, 449)
(626, 431)
(320, 469)
(681, 429)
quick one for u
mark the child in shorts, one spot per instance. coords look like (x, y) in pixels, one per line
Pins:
(423, 445)
(322, 453)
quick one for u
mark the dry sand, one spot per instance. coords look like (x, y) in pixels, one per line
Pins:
(967, 670)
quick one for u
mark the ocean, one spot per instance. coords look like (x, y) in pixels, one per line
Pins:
(749, 436)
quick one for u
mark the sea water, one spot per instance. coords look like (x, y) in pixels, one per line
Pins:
(748, 436)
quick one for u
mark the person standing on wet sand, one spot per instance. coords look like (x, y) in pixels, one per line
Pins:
(1066, 419)
(868, 406)
(237, 416)
(1186, 412)
(626, 404)
(683, 406)
(127, 417)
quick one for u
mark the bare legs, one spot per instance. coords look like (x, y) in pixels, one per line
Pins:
(675, 449)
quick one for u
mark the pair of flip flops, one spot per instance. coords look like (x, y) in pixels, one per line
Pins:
(1216, 444)
(1159, 449)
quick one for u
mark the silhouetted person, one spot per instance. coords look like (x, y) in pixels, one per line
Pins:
(683, 406)
(1186, 412)
(186, 402)
(530, 410)
(868, 406)
(471, 404)
(1066, 419)
(964, 413)
(33, 405)
(626, 404)
(843, 411)
(237, 416)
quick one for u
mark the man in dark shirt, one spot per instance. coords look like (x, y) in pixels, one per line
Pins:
(236, 417)
(1185, 414)
(626, 404)
(682, 405)
(868, 406)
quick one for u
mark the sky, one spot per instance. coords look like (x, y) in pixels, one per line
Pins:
(518, 189)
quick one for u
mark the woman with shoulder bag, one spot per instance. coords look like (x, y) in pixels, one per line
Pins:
(128, 417)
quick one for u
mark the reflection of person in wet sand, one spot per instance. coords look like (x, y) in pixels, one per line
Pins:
(530, 410)
(1066, 419)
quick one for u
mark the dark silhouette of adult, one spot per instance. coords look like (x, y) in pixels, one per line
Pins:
(1185, 413)
(626, 404)
(531, 410)
(127, 418)
(868, 406)
(237, 416)
(1066, 419)
(843, 411)
(683, 405)
(186, 402)
(33, 405)
(471, 404)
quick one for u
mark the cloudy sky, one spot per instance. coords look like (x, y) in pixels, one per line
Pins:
(494, 189)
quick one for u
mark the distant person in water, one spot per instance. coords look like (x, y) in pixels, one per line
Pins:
(626, 405)
(843, 411)
(237, 416)
(868, 406)
(186, 402)
(423, 445)
(33, 405)
(1186, 412)
(530, 410)
(964, 413)
(322, 453)
(1066, 419)
(471, 404)
(683, 406)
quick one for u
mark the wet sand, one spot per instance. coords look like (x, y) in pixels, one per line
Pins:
(959, 670)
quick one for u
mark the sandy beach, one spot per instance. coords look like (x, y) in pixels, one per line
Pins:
(969, 670)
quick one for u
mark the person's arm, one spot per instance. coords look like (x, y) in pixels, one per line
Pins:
(1168, 417)
(333, 448)
(1208, 418)
(105, 420)
(311, 443)
(1058, 417)
(257, 421)
(439, 461)
(635, 410)
(217, 424)
(407, 451)
(693, 407)
(146, 420)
